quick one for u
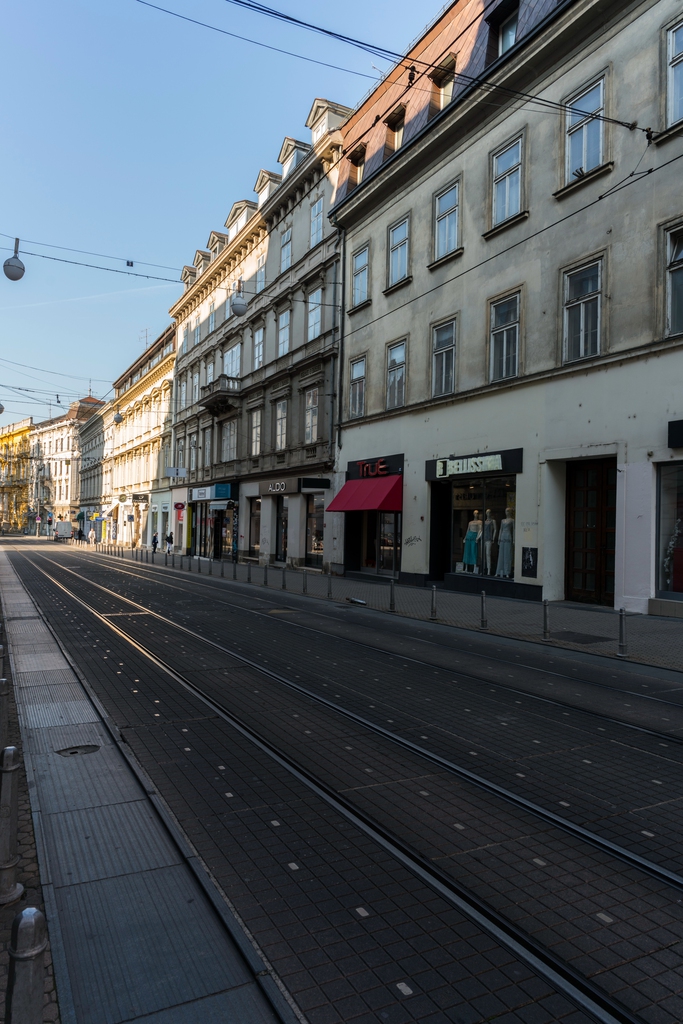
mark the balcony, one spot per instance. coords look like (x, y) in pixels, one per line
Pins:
(220, 395)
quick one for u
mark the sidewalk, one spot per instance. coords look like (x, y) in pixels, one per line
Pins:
(136, 934)
(650, 639)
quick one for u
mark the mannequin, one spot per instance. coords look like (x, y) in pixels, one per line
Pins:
(470, 555)
(506, 542)
(490, 531)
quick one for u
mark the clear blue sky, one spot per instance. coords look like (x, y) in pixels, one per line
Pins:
(129, 132)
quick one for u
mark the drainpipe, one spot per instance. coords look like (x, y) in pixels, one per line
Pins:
(342, 329)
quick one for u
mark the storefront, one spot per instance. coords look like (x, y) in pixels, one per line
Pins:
(473, 530)
(214, 515)
(670, 526)
(287, 520)
(372, 503)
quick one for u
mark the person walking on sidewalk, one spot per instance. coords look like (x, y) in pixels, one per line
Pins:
(169, 542)
(155, 542)
(91, 535)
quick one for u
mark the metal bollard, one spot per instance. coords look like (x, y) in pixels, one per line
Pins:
(249, 572)
(10, 889)
(146, 556)
(622, 651)
(211, 567)
(189, 563)
(329, 584)
(173, 560)
(265, 575)
(484, 623)
(432, 614)
(305, 583)
(284, 579)
(4, 713)
(234, 568)
(199, 564)
(153, 554)
(222, 568)
(26, 977)
(546, 621)
(166, 558)
(392, 596)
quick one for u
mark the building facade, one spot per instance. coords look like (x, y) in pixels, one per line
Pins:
(257, 330)
(96, 444)
(510, 404)
(15, 475)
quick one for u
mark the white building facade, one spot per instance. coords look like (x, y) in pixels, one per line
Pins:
(511, 407)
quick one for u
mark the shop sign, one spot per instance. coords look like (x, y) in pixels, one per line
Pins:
(509, 461)
(154, 508)
(293, 485)
(123, 498)
(210, 493)
(179, 506)
(139, 498)
(165, 506)
(388, 465)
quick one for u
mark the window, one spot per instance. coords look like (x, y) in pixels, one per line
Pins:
(311, 417)
(675, 272)
(281, 425)
(229, 441)
(254, 527)
(315, 300)
(212, 318)
(670, 555)
(395, 126)
(207, 447)
(359, 273)
(283, 332)
(231, 361)
(443, 85)
(357, 389)
(209, 373)
(183, 394)
(186, 331)
(585, 131)
(193, 451)
(398, 252)
(317, 222)
(582, 312)
(261, 273)
(286, 250)
(196, 334)
(443, 376)
(396, 376)
(446, 233)
(504, 338)
(195, 387)
(507, 33)
(507, 183)
(255, 432)
(357, 166)
(676, 74)
(258, 348)
(315, 521)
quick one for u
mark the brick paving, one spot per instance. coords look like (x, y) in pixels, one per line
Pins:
(558, 899)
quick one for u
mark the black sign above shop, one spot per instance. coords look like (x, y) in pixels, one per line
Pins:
(293, 485)
(482, 463)
(387, 465)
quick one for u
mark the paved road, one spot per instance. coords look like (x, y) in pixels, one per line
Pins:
(412, 822)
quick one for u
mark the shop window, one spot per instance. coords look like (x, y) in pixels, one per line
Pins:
(585, 131)
(254, 527)
(255, 432)
(396, 376)
(671, 531)
(443, 375)
(483, 537)
(446, 226)
(359, 289)
(675, 75)
(675, 282)
(281, 425)
(315, 515)
(281, 526)
(507, 183)
(505, 338)
(357, 389)
(582, 312)
(311, 417)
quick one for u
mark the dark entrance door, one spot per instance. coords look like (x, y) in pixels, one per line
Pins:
(591, 524)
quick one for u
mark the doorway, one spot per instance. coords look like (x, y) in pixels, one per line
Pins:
(591, 529)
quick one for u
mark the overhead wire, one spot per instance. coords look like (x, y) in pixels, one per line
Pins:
(79, 263)
(86, 252)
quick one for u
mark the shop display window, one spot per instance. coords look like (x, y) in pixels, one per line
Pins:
(254, 527)
(484, 526)
(281, 521)
(315, 515)
(670, 562)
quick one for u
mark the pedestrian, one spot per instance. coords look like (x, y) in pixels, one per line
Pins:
(169, 542)
(155, 542)
(80, 533)
(91, 535)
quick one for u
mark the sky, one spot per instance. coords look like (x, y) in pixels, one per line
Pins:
(128, 132)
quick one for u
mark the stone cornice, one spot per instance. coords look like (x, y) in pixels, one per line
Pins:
(137, 391)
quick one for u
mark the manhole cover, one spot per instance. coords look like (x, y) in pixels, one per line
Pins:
(580, 638)
(82, 748)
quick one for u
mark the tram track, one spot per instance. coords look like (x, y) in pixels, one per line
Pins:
(563, 976)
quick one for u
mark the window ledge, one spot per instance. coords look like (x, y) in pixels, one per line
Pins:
(597, 172)
(674, 132)
(504, 224)
(361, 305)
(446, 259)
(399, 284)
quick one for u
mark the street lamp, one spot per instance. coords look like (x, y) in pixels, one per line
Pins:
(13, 267)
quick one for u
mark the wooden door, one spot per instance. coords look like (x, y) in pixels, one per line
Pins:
(591, 524)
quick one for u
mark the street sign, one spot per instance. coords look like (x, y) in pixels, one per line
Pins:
(131, 519)
(38, 519)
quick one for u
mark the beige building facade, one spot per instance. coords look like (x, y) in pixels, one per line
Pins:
(510, 405)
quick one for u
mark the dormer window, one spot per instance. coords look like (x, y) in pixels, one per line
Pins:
(319, 130)
(443, 84)
(292, 161)
(357, 162)
(507, 33)
(395, 125)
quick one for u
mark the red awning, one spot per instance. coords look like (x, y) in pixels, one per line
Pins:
(373, 494)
